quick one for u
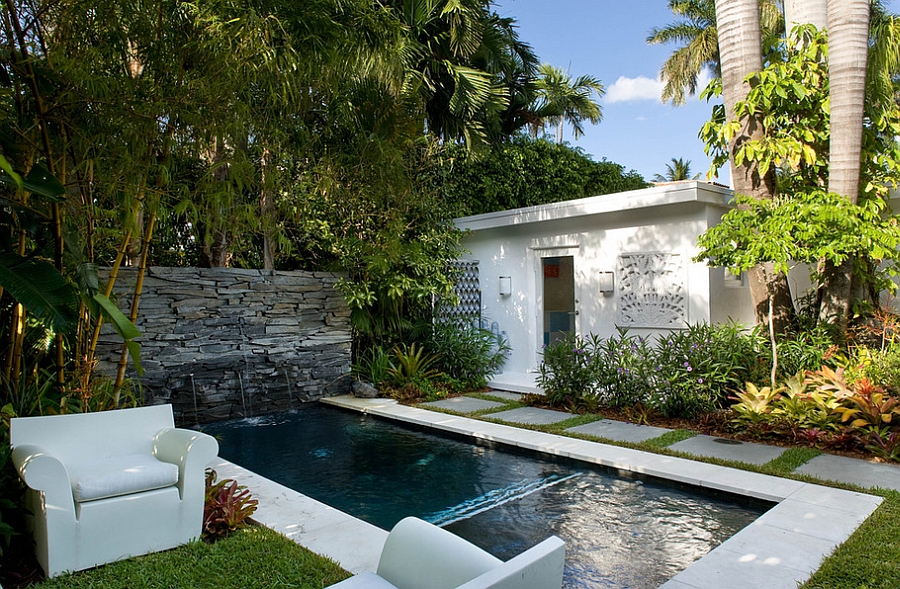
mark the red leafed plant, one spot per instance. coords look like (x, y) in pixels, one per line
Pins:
(228, 505)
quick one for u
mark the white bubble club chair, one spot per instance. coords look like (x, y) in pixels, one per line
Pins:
(109, 485)
(419, 555)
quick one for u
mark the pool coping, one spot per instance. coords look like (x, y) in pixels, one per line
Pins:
(782, 547)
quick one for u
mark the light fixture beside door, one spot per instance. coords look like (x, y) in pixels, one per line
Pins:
(607, 283)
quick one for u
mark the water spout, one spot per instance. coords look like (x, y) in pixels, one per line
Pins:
(290, 392)
(243, 400)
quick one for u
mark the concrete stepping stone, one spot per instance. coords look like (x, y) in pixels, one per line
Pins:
(506, 395)
(531, 416)
(464, 404)
(619, 431)
(852, 470)
(726, 449)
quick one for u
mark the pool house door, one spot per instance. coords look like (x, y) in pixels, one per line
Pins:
(559, 301)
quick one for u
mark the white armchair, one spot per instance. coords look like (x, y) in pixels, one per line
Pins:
(418, 554)
(110, 485)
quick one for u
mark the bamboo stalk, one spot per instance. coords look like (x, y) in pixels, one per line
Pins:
(48, 154)
(135, 303)
(17, 325)
(110, 284)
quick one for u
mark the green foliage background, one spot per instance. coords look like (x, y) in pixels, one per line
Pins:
(524, 172)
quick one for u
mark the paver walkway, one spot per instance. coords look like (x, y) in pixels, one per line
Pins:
(827, 467)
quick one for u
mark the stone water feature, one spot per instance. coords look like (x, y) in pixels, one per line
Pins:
(220, 343)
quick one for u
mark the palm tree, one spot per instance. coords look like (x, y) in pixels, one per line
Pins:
(676, 171)
(741, 55)
(560, 100)
(445, 39)
(883, 65)
(697, 33)
(848, 48)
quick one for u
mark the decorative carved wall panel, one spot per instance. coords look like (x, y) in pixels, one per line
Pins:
(652, 290)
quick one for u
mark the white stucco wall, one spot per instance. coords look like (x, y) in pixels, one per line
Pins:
(595, 231)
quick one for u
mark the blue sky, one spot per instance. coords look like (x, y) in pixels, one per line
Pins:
(606, 39)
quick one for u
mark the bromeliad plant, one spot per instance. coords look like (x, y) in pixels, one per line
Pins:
(228, 506)
(823, 408)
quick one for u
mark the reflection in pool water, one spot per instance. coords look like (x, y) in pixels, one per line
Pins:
(619, 532)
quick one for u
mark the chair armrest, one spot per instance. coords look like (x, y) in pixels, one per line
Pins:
(418, 554)
(539, 567)
(44, 472)
(191, 450)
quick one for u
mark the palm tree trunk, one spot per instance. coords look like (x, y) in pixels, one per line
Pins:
(848, 38)
(805, 12)
(741, 55)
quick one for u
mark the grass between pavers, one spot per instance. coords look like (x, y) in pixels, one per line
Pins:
(667, 439)
(869, 559)
(251, 558)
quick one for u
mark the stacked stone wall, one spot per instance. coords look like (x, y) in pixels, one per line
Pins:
(220, 343)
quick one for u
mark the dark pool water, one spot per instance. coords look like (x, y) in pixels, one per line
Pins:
(619, 532)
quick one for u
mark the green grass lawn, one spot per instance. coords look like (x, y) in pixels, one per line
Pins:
(251, 558)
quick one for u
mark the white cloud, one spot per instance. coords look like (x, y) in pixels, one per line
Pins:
(630, 89)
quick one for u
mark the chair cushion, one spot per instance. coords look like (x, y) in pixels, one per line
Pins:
(119, 475)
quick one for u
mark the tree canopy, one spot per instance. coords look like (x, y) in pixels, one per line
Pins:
(526, 171)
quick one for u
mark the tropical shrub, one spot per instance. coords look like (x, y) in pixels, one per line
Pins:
(622, 365)
(682, 374)
(412, 377)
(373, 365)
(878, 365)
(802, 351)
(228, 506)
(469, 354)
(697, 367)
(754, 407)
(565, 373)
(826, 409)
(524, 172)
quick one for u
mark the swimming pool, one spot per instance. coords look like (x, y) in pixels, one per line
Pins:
(619, 531)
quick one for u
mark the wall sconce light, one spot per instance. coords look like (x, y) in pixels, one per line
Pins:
(607, 282)
(505, 286)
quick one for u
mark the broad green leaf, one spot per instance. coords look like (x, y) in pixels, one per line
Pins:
(11, 177)
(40, 181)
(41, 289)
(120, 322)
(125, 328)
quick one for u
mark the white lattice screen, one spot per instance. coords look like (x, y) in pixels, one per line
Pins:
(468, 290)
